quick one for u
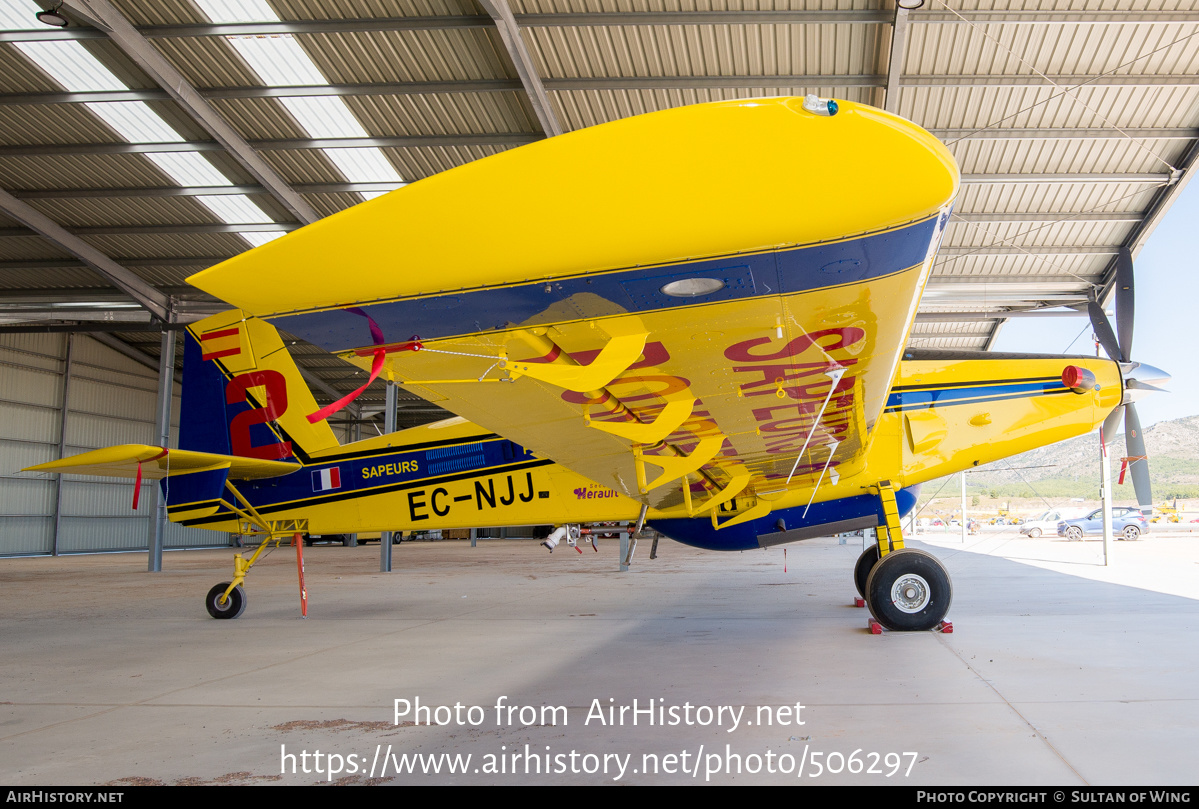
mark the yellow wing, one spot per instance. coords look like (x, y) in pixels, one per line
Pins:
(688, 307)
(156, 463)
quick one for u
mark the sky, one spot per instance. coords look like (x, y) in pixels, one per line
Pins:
(1167, 294)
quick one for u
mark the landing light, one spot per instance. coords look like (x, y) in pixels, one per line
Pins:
(692, 287)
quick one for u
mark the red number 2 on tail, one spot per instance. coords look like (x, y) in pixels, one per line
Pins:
(274, 404)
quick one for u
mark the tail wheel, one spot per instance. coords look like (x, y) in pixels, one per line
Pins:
(908, 591)
(234, 605)
(1131, 532)
(861, 570)
(1073, 533)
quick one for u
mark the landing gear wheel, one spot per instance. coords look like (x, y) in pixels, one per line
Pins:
(908, 591)
(1034, 533)
(1131, 532)
(1073, 533)
(861, 570)
(234, 605)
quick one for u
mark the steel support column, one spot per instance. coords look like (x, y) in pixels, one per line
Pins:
(391, 401)
(62, 441)
(166, 390)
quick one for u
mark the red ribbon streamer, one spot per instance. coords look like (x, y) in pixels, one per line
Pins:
(137, 486)
(329, 410)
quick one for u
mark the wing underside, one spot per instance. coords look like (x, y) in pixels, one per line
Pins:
(697, 405)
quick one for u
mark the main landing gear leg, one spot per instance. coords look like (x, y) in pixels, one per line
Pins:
(906, 589)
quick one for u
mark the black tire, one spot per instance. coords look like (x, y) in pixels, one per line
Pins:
(908, 591)
(1034, 533)
(1131, 532)
(1073, 533)
(234, 605)
(861, 570)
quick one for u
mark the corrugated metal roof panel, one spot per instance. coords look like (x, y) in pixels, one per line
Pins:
(580, 108)
(80, 171)
(26, 248)
(1060, 197)
(1064, 156)
(425, 161)
(626, 6)
(165, 245)
(123, 211)
(445, 113)
(365, 9)
(52, 124)
(207, 62)
(407, 56)
(702, 50)
(50, 278)
(1022, 263)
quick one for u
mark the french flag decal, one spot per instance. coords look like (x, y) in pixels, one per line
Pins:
(325, 479)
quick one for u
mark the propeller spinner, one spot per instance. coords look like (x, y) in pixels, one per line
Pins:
(1138, 378)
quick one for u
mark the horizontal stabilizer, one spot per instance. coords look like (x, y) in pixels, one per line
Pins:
(156, 463)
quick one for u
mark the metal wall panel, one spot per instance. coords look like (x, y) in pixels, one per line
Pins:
(31, 370)
(20, 536)
(111, 400)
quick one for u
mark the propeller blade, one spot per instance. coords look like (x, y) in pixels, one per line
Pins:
(1138, 463)
(1111, 425)
(1103, 331)
(1125, 301)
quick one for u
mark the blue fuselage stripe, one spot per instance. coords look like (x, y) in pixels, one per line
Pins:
(909, 399)
(638, 289)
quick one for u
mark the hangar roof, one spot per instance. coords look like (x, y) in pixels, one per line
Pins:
(150, 139)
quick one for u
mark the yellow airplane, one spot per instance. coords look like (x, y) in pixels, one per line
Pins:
(694, 318)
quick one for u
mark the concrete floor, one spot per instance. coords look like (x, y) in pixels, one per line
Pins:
(1059, 672)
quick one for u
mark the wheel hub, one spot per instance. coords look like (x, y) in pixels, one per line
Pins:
(910, 593)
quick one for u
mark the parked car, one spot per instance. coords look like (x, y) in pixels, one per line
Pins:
(1127, 523)
(1046, 523)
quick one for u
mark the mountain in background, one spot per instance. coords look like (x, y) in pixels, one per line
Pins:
(1071, 468)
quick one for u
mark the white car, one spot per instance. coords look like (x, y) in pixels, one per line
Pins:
(1047, 523)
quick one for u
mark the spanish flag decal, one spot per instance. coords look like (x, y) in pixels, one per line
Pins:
(221, 343)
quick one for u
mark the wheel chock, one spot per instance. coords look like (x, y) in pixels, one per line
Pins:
(945, 627)
(859, 602)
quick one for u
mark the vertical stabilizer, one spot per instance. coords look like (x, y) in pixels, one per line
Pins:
(243, 394)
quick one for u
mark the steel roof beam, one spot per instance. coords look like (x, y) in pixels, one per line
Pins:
(200, 191)
(1114, 177)
(791, 82)
(1013, 133)
(1032, 251)
(152, 299)
(967, 317)
(69, 264)
(349, 188)
(526, 69)
(397, 142)
(567, 20)
(149, 59)
(518, 139)
(899, 40)
(153, 230)
(1055, 216)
